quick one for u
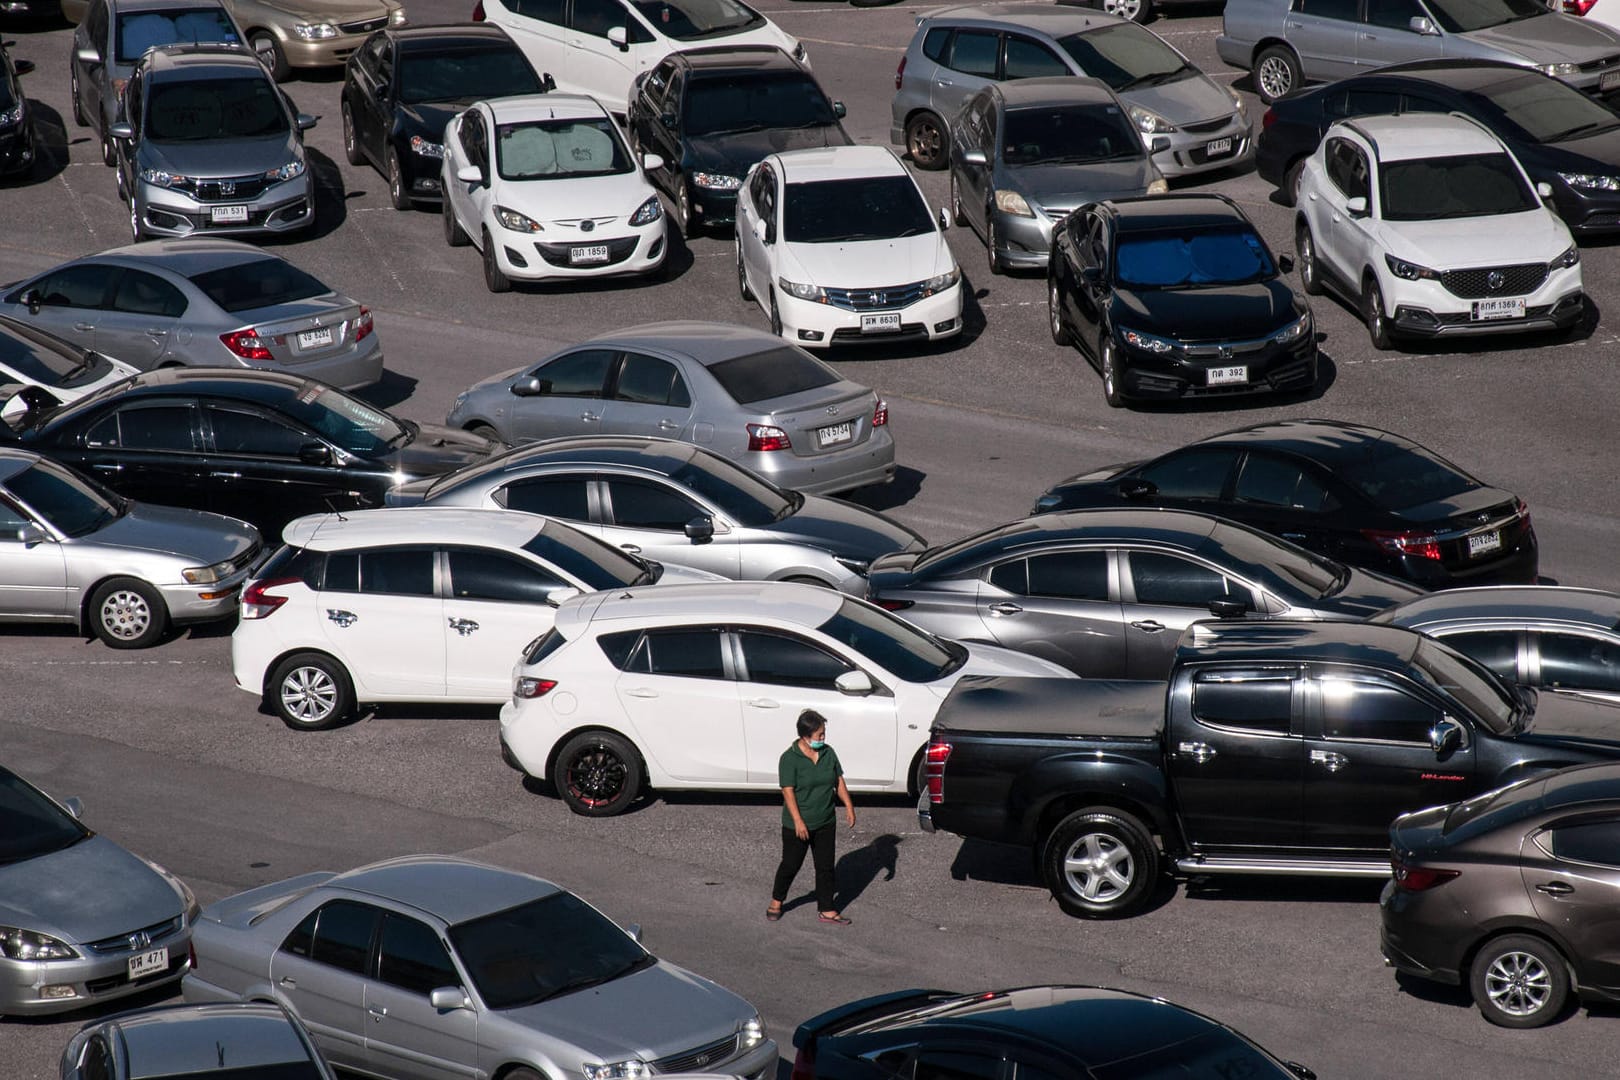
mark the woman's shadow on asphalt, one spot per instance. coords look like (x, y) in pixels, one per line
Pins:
(856, 870)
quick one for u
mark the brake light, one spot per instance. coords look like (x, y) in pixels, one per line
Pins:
(1522, 508)
(247, 344)
(1419, 878)
(478, 11)
(362, 325)
(889, 604)
(880, 415)
(257, 600)
(1420, 544)
(768, 437)
(530, 688)
(934, 770)
(804, 1065)
(900, 72)
(1268, 119)
(1578, 7)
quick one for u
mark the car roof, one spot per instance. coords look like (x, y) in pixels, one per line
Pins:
(528, 107)
(125, 6)
(1459, 74)
(193, 1039)
(1316, 440)
(839, 163)
(1177, 210)
(188, 257)
(1055, 19)
(1058, 90)
(413, 525)
(1423, 135)
(452, 889)
(721, 59)
(249, 384)
(1596, 782)
(14, 461)
(1288, 639)
(1186, 528)
(1552, 603)
(804, 605)
(202, 61)
(454, 35)
(646, 452)
(708, 343)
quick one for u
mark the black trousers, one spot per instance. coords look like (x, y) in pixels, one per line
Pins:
(820, 846)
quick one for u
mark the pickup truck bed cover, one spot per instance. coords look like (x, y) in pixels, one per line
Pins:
(1094, 708)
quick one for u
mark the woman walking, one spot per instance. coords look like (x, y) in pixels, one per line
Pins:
(811, 778)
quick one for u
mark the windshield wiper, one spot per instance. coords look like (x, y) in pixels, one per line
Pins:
(85, 361)
(1152, 78)
(1580, 129)
(741, 129)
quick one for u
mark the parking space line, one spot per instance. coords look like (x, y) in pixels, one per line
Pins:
(853, 44)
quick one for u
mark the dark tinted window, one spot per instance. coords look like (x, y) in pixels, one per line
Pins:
(1125, 56)
(1069, 575)
(1256, 701)
(771, 374)
(148, 294)
(300, 563)
(1394, 14)
(1365, 710)
(1362, 102)
(257, 283)
(550, 11)
(597, 564)
(616, 646)
(1195, 474)
(974, 52)
(893, 644)
(543, 949)
(237, 432)
(303, 935)
(73, 504)
(343, 935)
(465, 74)
(197, 110)
(934, 43)
(98, 1060)
(719, 103)
(342, 572)
(397, 571)
(649, 381)
(412, 957)
(564, 498)
(30, 823)
(839, 211)
(1028, 59)
(1069, 134)
(944, 1065)
(1216, 1053)
(1166, 579)
(82, 286)
(579, 374)
(642, 504)
(1273, 481)
(786, 661)
(1461, 186)
(1592, 842)
(489, 575)
(692, 653)
(160, 427)
(1330, 9)
(1397, 477)
(1573, 662)
(44, 360)
(1545, 110)
(747, 498)
(543, 646)
(692, 20)
(597, 16)
(1496, 649)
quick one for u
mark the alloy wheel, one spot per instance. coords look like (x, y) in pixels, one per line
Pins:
(925, 143)
(596, 775)
(1518, 983)
(1274, 77)
(1098, 867)
(309, 695)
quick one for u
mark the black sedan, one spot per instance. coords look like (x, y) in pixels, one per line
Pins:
(1353, 493)
(403, 86)
(261, 446)
(712, 114)
(17, 139)
(1563, 137)
(1174, 296)
(1033, 1033)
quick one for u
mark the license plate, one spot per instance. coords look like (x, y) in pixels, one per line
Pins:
(1608, 81)
(1484, 543)
(591, 253)
(1226, 376)
(884, 323)
(148, 963)
(838, 433)
(228, 215)
(1486, 310)
(1217, 147)
(314, 339)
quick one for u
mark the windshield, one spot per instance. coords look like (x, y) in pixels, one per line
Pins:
(597, 563)
(1482, 694)
(38, 358)
(747, 499)
(139, 31)
(1073, 134)
(1469, 185)
(560, 149)
(69, 504)
(1461, 16)
(194, 110)
(898, 647)
(543, 949)
(259, 283)
(30, 823)
(1546, 110)
(348, 423)
(718, 104)
(1309, 573)
(689, 20)
(1399, 477)
(1178, 260)
(1126, 57)
(464, 75)
(1215, 1054)
(775, 373)
(844, 211)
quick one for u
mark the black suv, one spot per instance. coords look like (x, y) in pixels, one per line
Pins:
(713, 114)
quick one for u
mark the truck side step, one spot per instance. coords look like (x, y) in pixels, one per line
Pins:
(1243, 864)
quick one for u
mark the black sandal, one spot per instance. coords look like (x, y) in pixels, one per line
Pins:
(838, 919)
(773, 916)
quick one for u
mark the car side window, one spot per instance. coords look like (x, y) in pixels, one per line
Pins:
(96, 23)
(411, 956)
(81, 286)
(1594, 842)
(1577, 662)
(578, 374)
(657, 85)
(566, 497)
(597, 17)
(1064, 575)
(1272, 481)
(385, 68)
(617, 647)
(1419, 103)
(147, 294)
(1345, 10)
(11, 519)
(1347, 168)
(371, 54)
(97, 1061)
(401, 571)
(1361, 101)
(1374, 712)
(781, 660)
(154, 427)
(1257, 700)
(1496, 649)
(1394, 14)
(956, 1065)
(934, 43)
(692, 653)
(647, 380)
(237, 431)
(973, 52)
(643, 504)
(1029, 59)
(491, 575)
(1191, 474)
(1178, 582)
(546, 11)
(337, 934)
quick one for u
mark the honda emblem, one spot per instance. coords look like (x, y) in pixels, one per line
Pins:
(227, 187)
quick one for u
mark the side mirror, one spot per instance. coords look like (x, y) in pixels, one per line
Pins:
(87, 55)
(1158, 144)
(548, 83)
(700, 530)
(1356, 207)
(1091, 275)
(1299, 1070)
(974, 157)
(1544, 189)
(306, 121)
(619, 38)
(449, 998)
(1422, 24)
(31, 535)
(1445, 736)
(559, 597)
(1134, 487)
(121, 131)
(1285, 263)
(314, 453)
(531, 386)
(74, 805)
(839, 110)
(855, 683)
(944, 219)
(470, 174)
(1228, 609)
(650, 162)
(669, 120)
(32, 301)
(23, 67)
(634, 930)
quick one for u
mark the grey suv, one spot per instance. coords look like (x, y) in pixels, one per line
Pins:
(1286, 43)
(956, 52)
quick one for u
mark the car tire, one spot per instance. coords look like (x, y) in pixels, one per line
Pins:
(1310, 274)
(268, 50)
(351, 145)
(1372, 313)
(1519, 981)
(126, 613)
(484, 431)
(928, 142)
(1100, 863)
(399, 196)
(1276, 73)
(776, 316)
(521, 1074)
(310, 692)
(806, 579)
(495, 279)
(1054, 313)
(956, 203)
(1290, 184)
(1139, 11)
(742, 277)
(73, 89)
(454, 234)
(598, 774)
(109, 155)
(683, 209)
(991, 257)
(1108, 366)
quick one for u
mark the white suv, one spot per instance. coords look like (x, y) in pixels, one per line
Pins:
(1430, 227)
(420, 604)
(700, 687)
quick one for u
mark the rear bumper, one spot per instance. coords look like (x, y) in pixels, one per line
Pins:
(871, 462)
(351, 369)
(925, 814)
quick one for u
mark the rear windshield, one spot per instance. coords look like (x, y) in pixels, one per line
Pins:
(720, 104)
(464, 75)
(748, 499)
(597, 563)
(259, 283)
(893, 644)
(200, 110)
(139, 31)
(1398, 477)
(774, 373)
(692, 20)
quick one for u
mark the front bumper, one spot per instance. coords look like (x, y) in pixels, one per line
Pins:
(712, 206)
(1026, 241)
(1189, 151)
(1585, 212)
(1428, 309)
(423, 175)
(1270, 369)
(817, 326)
(756, 1064)
(631, 251)
(204, 603)
(89, 979)
(17, 149)
(330, 52)
(280, 208)
(870, 462)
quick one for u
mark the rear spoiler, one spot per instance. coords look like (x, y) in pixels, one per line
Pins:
(246, 908)
(898, 562)
(865, 1009)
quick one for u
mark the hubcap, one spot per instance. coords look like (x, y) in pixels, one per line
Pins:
(1124, 8)
(1307, 257)
(126, 615)
(1052, 308)
(1518, 983)
(1098, 868)
(1108, 370)
(309, 694)
(1275, 77)
(1375, 310)
(596, 776)
(925, 142)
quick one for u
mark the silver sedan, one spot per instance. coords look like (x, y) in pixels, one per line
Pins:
(73, 552)
(239, 1041)
(204, 301)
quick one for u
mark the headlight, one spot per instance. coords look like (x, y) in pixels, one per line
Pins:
(12, 115)
(1411, 271)
(941, 282)
(1294, 330)
(460, 402)
(633, 1069)
(803, 292)
(164, 179)
(1570, 257)
(1590, 182)
(753, 1031)
(1237, 98)
(421, 146)
(19, 944)
(1558, 70)
(1149, 122)
(288, 171)
(315, 31)
(1146, 342)
(648, 212)
(798, 52)
(1010, 202)
(1158, 187)
(511, 219)
(206, 575)
(716, 181)
(396, 17)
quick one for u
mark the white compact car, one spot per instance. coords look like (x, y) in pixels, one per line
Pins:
(837, 246)
(419, 604)
(546, 187)
(1429, 227)
(701, 686)
(598, 47)
(39, 369)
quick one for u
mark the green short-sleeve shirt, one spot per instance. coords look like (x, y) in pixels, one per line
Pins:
(814, 784)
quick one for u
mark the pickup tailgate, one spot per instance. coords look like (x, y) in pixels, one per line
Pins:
(1074, 708)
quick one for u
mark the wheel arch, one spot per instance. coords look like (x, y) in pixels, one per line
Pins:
(510, 1067)
(1500, 930)
(1156, 822)
(585, 729)
(303, 650)
(1281, 42)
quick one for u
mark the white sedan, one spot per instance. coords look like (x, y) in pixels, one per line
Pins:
(39, 369)
(546, 187)
(836, 245)
(700, 686)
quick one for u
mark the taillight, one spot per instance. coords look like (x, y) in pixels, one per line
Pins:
(804, 1065)
(1578, 7)
(880, 415)
(767, 437)
(1268, 119)
(1419, 878)
(1421, 544)
(478, 11)
(527, 687)
(934, 769)
(247, 344)
(1522, 509)
(890, 604)
(900, 72)
(362, 325)
(259, 603)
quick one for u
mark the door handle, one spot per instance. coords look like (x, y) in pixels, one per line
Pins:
(1364, 36)
(85, 326)
(634, 549)
(107, 467)
(1555, 888)
(1313, 196)
(226, 475)
(1198, 751)
(641, 692)
(945, 82)
(341, 617)
(590, 417)
(155, 331)
(1329, 760)
(1292, 536)
(1005, 608)
(463, 626)
(376, 1013)
(288, 981)
(765, 703)
(668, 425)
(1335, 219)
(1148, 626)
(1291, 24)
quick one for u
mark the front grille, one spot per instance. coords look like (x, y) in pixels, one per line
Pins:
(618, 251)
(247, 558)
(699, 1059)
(1599, 65)
(1206, 126)
(911, 331)
(231, 188)
(177, 964)
(1494, 280)
(885, 298)
(121, 943)
(1224, 350)
(364, 26)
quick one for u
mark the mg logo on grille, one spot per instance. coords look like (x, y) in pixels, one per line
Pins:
(227, 187)
(1496, 279)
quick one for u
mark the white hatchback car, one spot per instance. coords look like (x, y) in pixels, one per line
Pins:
(1429, 227)
(546, 187)
(700, 687)
(421, 604)
(837, 246)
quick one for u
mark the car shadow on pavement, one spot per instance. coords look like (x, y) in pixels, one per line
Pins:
(1290, 890)
(905, 486)
(390, 390)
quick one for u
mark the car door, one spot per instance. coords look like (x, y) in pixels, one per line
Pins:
(149, 451)
(1195, 478)
(1340, 238)
(319, 973)
(33, 575)
(973, 182)
(1027, 58)
(595, 65)
(571, 398)
(139, 323)
(1369, 758)
(539, 28)
(1086, 298)
(1323, 33)
(1162, 594)
(262, 467)
(781, 674)
(406, 1037)
(758, 204)
(372, 104)
(69, 301)
(656, 98)
(1572, 872)
(494, 603)
(1285, 498)
(649, 397)
(971, 61)
(384, 620)
(1059, 605)
(1580, 665)
(1237, 759)
(471, 198)
(678, 693)
(92, 34)
(1385, 35)
(647, 516)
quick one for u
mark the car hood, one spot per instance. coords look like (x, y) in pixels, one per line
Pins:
(1551, 38)
(1230, 313)
(1453, 243)
(438, 449)
(1366, 593)
(332, 10)
(200, 538)
(1184, 101)
(653, 1013)
(569, 200)
(89, 891)
(1579, 155)
(1060, 188)
(216, 157)
(428, 118)
(846, 529)
(734, 155)
(868, 263)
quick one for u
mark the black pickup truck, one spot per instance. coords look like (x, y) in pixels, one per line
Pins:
(1273, 748)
